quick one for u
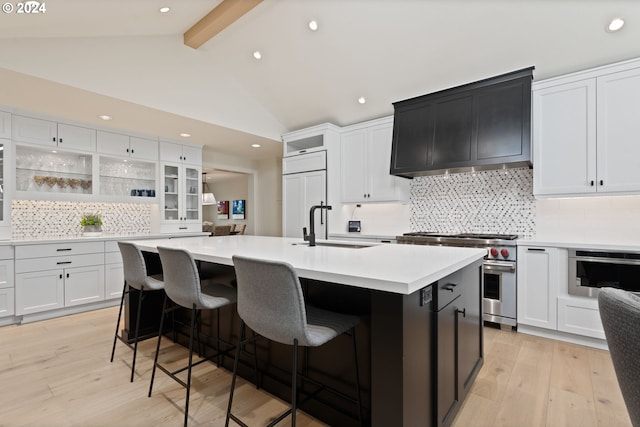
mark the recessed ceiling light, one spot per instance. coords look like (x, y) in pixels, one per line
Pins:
(361, 100)
(105, 117)
(257, 55)
(255, 145)
(615, 25)
(165, 9)
(313, 25)
(185, 135)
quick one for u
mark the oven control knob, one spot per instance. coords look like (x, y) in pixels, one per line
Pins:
(494, 252)
(504, 253)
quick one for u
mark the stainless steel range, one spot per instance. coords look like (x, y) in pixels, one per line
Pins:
(499, 268)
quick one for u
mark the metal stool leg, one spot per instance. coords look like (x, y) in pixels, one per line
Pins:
(233, 379)
(115, 336)
(194, 314)
(135, 343)
(155, 359)
(294, 384)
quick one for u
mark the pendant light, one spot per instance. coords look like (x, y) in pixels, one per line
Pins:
(207, 196)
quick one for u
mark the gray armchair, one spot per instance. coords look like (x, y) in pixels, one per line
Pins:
(620, 314)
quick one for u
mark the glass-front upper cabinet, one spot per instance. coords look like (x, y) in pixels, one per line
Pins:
(53, 171)
(181, 193)
(122, 177)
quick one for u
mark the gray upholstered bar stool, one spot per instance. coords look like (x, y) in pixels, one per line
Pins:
(135, 276)
(271, 303)
(182, 286)
(620, 315)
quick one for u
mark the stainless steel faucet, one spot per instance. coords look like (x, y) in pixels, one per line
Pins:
(311, 237)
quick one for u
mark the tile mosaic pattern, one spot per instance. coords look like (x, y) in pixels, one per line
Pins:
(49, 219)
(475, 202)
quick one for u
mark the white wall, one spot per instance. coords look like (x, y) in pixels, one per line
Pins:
(609, 219)
(385, 219)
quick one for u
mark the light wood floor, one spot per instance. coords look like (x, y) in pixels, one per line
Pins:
(57, 373)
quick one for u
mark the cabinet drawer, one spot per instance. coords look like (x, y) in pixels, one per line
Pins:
(580, 316)
(6, 302)
(6, 252)
(52, 263)
(6, 274)
(112, 258)
(304, 163)
(58, 249)
(448, 289)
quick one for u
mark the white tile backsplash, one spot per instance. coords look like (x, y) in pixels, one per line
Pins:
(50, 219)
(475, 202)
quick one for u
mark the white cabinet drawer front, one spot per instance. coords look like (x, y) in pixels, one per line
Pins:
(6, 252)
(58, 249)
(113, 280)
(83, 285)
(304, 163)
(41, 264)
(40, 291)
(580, 316)
(6, 274)
(113, 258)
(6, 302)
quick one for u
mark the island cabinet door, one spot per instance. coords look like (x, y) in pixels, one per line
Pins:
(401, 359)
(446, 390)
(39, 291)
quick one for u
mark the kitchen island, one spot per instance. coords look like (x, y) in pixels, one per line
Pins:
(420, 337)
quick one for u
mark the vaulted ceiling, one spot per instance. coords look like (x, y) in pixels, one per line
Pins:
(82, 58)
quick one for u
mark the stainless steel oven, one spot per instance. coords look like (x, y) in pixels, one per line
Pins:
(591, 270)
(500, 292)
(499, 302)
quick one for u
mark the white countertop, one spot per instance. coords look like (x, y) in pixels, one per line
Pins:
(104, 237)
(400, 269)
(583, 244)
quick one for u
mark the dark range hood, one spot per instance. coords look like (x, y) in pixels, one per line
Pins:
(476, 126)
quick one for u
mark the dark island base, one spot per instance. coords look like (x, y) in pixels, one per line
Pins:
(395, 344)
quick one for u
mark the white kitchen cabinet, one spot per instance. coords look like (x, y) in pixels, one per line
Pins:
(6, 179)
(127, 146)
(585, 128)
(365, 154)
(7, 307)
(308, 140)
(83, 285)
(539, 277)
(113, 270)
(5, 125)
(39, 291)
(564, 138)
(45, 132)
(180, 153)
(301, 191)
(618, 134)
(181, 198)
(580, 315)
(51, 276)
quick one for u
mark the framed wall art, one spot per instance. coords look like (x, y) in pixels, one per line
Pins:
(237, 209)
(223, 209)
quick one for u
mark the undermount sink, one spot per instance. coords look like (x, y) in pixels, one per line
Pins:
(335, 244)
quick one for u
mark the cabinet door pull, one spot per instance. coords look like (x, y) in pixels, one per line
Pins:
(182, 228)
(60, 140)
(535, 250)
(132, 151)
(463, 312)
(127, 150)
(592, 183)
(63, 262)
(302, 151)
(54, 139)
(601, 182)
(67, 275)
(450, 287)
(63, 249)
(61, 276)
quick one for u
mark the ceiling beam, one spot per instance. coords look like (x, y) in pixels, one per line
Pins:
(223, 15)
